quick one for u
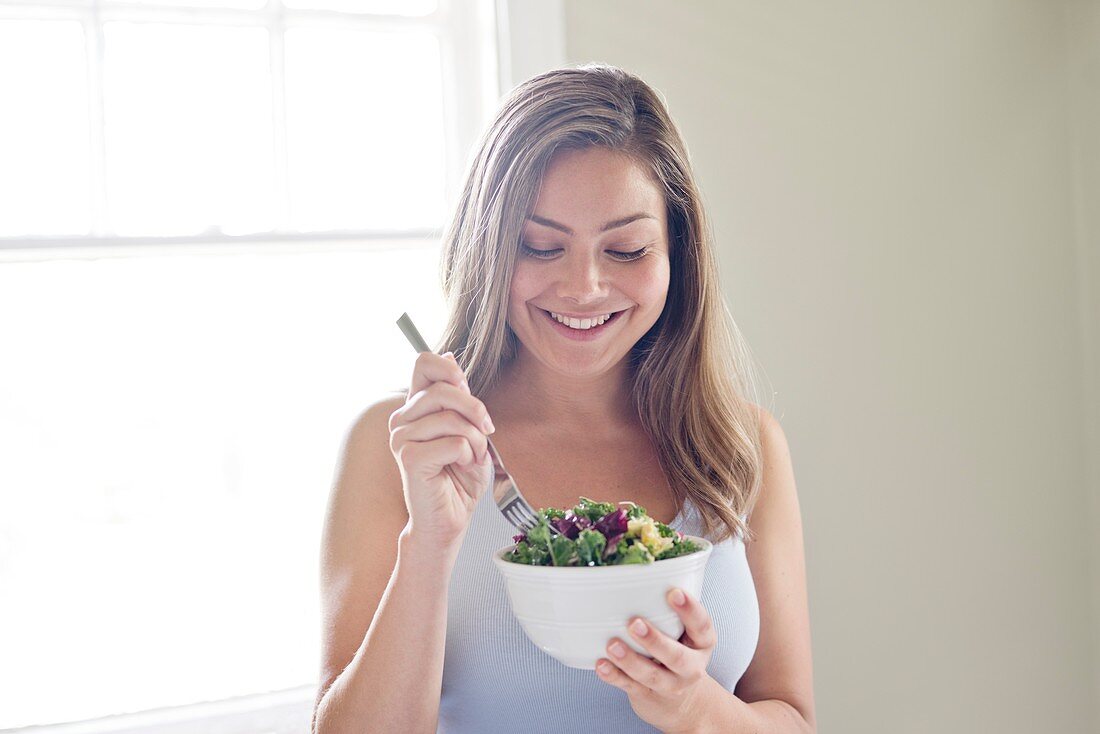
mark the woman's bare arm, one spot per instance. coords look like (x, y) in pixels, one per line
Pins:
(779, 681)
(384, 597)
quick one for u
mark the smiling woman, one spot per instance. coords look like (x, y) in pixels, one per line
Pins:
(582, 203)
(600, 263)
(586, 331)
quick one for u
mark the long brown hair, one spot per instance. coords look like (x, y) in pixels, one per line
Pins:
(692, 371)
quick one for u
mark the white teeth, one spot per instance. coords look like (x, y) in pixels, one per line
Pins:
(581, 323)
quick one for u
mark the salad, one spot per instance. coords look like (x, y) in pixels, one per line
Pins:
(598, 534)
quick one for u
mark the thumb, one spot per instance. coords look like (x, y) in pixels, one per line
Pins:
(486, 474)
(476, 477)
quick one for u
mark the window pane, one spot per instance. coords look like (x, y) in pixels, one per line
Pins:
(388, 7)
(189, 129)
(168, 452)
(45, 175)
(364, 129)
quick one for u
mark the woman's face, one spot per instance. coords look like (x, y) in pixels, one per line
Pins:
(595, 244)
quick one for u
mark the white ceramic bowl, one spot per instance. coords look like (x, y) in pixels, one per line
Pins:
(572, 612)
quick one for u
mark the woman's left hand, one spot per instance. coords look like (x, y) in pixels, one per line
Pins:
(665, 691)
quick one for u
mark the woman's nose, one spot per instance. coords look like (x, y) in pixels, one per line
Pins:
(582, 280)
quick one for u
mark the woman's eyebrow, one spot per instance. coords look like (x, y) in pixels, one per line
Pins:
(615, 224)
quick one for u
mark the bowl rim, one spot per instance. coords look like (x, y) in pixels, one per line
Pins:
(704, 552)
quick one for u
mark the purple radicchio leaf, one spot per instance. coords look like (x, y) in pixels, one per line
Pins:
(570, 525)
(613, 523)
(519, 538)
(564, 526)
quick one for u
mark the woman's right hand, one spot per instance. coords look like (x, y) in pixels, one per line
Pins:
(440, 424)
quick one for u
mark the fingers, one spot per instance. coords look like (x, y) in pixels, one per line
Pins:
(442, 424)
(431, 367)
(676, 664)
(639, 669)
(699, 632)
(443, 396)
(665, 650)
(614, 675)
(428, 458)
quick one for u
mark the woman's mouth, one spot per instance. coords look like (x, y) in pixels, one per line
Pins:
(581, 329)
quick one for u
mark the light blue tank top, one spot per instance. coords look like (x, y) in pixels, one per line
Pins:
(496, 680)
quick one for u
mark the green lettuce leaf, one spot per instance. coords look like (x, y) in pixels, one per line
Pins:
(590, 544)
(562, 550)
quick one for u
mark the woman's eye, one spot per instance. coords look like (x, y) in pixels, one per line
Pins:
(617, 254)
(540, 254)
(628, 255)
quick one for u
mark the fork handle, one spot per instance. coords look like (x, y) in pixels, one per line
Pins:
(412, 334)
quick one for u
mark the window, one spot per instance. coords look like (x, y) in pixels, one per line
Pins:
(212, 212)
(169, 427)
(150, 119)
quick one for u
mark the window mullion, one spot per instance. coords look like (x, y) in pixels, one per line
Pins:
(448, 61)
(93, 45)
(277, 49)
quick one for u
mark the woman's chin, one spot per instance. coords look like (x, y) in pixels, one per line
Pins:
(568, 358)
(581, 366)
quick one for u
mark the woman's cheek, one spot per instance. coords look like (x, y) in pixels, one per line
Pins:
(520, 291)
(651, 284)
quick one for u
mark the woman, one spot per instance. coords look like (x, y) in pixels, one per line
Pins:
(587, 333)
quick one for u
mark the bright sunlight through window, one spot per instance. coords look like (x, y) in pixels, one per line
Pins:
(170, 429)
(230, 126)
(212, 214)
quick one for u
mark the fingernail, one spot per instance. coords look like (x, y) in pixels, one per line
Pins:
(605, 668)
(639, 628)
(488, 425)
(618, 650)
(449, 354)
(678, 597)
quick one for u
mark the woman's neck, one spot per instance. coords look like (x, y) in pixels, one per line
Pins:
(531, 393)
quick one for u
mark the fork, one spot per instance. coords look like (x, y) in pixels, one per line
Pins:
(505, 492)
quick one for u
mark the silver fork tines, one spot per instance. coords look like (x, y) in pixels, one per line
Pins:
(519, 513)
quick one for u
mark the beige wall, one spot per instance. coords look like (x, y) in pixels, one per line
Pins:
(893, 190)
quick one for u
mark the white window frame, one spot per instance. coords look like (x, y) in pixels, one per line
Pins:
(467, 31)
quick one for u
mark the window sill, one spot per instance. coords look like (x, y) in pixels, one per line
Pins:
(278, 712)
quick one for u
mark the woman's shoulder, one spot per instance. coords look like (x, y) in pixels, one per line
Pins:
(384, 404)
(764, 417)
(366, 451)
(374, 417)
(771, 431)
